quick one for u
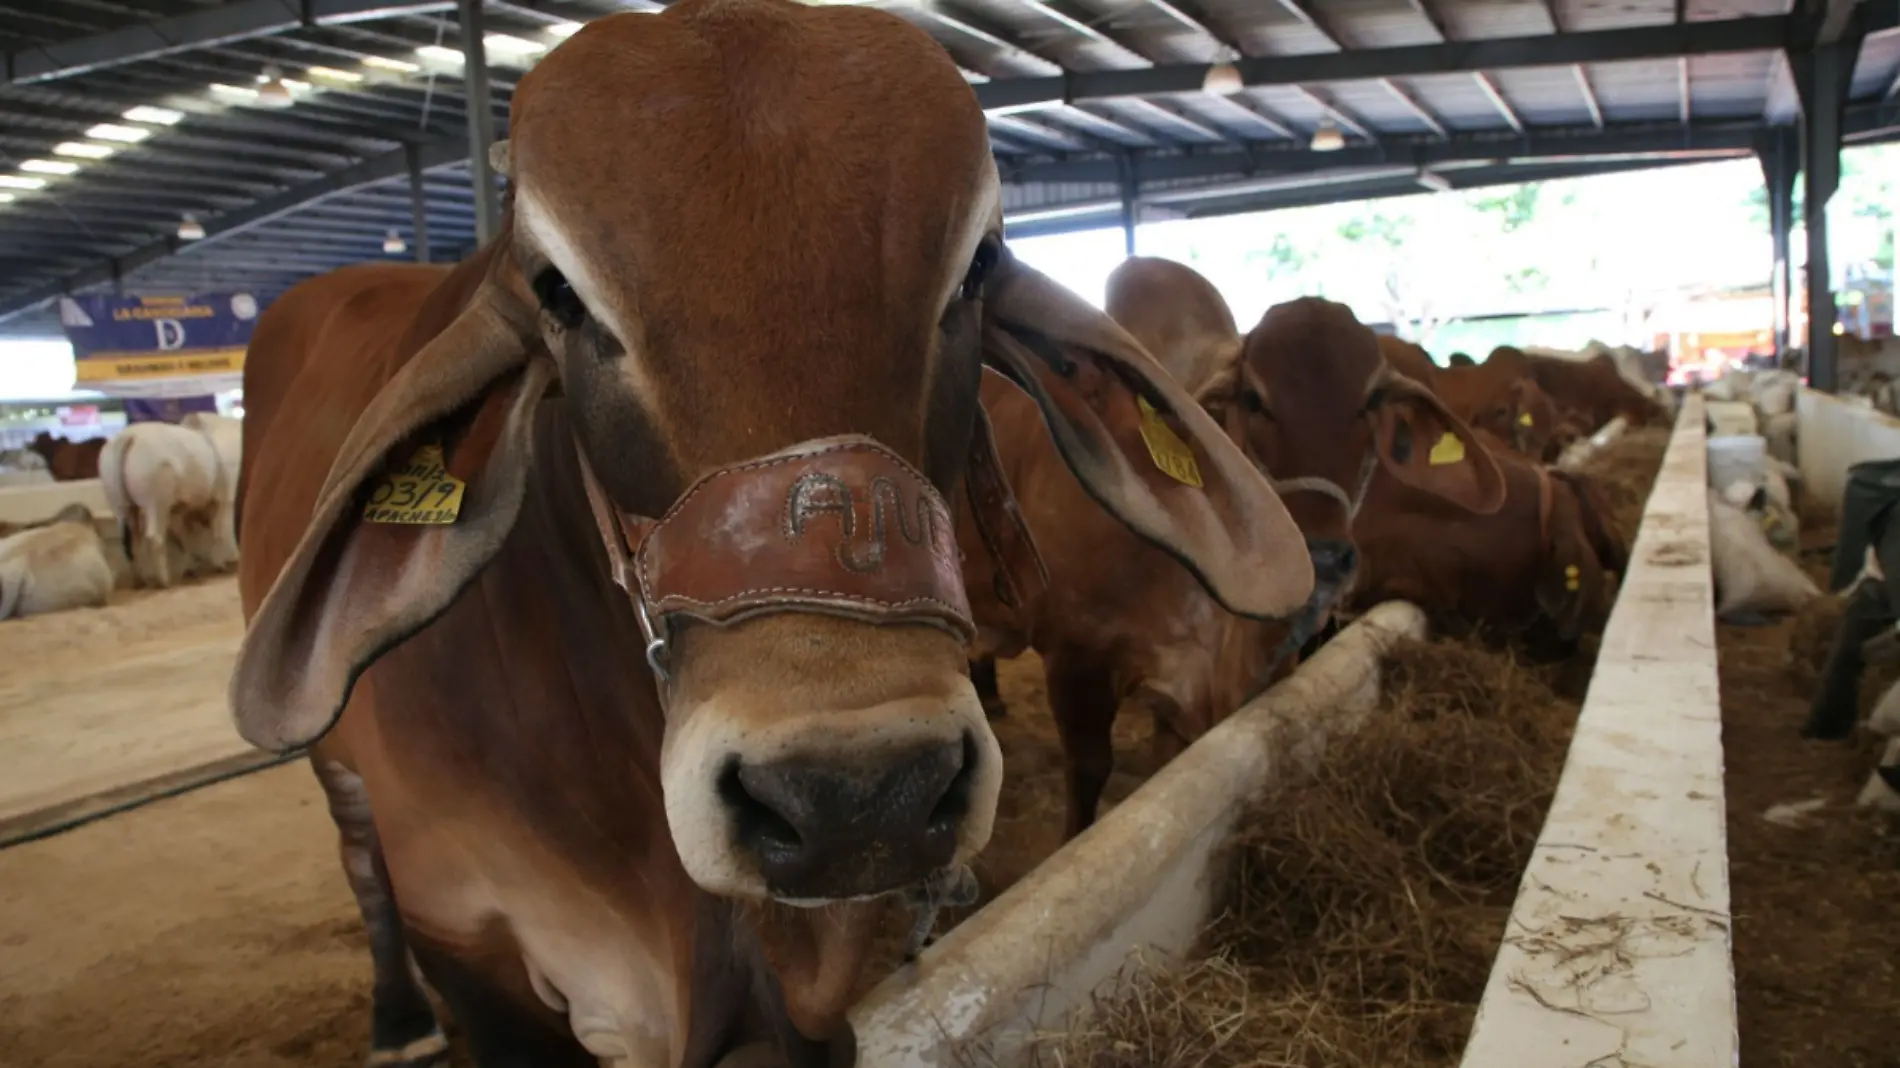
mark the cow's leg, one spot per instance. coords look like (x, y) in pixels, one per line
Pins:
(500, 1032)
(1836, 702)
(983, 677)
(1082, 696)
(154, 534)
(403, 1028)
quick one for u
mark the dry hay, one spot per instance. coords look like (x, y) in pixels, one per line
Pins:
(1625, 470)
(1363, 907)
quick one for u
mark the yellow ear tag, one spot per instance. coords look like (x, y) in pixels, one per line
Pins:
(1166, 448)
(1449, 450)
(420, 492)
(1524, 419)
(1571, 578)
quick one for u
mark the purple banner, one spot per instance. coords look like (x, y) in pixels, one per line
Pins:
(166, 409)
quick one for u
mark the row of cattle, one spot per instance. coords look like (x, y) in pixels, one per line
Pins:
(1409, 480)
(611, 582)
(171, 489)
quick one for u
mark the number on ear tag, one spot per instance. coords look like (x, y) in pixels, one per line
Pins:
(1448, 450)
(421, 492)
(1166, 448)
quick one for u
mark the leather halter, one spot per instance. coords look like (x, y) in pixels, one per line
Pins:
(1544, 502)
(838, 526)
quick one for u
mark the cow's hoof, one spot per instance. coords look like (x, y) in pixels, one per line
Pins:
(425, 1052)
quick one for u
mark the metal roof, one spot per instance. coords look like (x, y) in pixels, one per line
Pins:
(1084, 97)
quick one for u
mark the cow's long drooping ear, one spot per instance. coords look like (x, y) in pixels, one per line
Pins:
(397, 533)
(1142, 447)
(1431, 450)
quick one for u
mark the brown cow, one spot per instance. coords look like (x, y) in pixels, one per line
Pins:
(1545, 556)
(69, 461)
(1121, 623)
(1409, 359)
(1588, 393)
(724, 355)
(1500, 397)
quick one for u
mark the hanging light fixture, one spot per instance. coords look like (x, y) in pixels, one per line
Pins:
(393, 243)
(1327, 137)
(189, 228)
(273, 91)
(1223, 78)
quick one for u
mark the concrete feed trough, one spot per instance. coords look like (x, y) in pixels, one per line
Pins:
(1619, 939)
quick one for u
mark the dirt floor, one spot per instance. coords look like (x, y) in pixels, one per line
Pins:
(1817, 948)
(214, 929)
(98, 698)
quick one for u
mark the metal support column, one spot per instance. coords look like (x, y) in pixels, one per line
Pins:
(418, 204)
(1822, 77)
(1778, 151)
(1131, 195)
(481, 120)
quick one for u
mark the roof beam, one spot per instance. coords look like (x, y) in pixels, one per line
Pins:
(388, 166)
(197, 29)
(1755, 34)
(1660, 141)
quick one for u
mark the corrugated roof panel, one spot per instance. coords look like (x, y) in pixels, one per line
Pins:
(1379, 24)
(1878, 64)
(1473, 19)
(1735, 9)
(1544, 96)
(1579, 15)
(1638, 91)
(1264, 27)
(1730, 86)
(1458, 99)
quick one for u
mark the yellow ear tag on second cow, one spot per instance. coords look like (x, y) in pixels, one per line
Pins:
(1166, 448)
(1524, 419)
(1571, 579)
(1448, 450)
(421, 492)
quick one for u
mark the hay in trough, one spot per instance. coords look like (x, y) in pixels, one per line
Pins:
(1363, 907)
(1625, 470)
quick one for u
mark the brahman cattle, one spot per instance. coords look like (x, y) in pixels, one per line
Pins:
(164, 482)
(611, 579)
(55, 566)
(1538, 566)
(1501, 398)
(1591, 391)
(1309, 399)
(69, 461)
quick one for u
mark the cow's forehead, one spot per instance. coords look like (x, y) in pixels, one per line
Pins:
(747, 123)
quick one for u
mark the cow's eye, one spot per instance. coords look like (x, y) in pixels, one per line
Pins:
(559, 299)
(981, 265)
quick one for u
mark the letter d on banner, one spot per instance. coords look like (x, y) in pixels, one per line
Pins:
(171, 334)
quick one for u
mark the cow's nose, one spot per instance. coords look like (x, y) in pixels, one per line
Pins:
(1334, 560)
(823, 829)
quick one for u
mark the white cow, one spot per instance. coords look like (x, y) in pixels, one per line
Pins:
(54, 567)
(164, 480)
(227, 436)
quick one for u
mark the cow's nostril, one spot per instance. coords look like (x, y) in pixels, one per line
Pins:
(854, 823)
(755, 820)
(955, 802)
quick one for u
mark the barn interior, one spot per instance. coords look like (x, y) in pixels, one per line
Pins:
(1431, 842)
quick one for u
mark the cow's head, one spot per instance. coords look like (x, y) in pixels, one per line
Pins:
(758, 249)
(1320, 409)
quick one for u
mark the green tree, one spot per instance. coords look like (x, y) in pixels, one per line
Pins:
(1514, 206)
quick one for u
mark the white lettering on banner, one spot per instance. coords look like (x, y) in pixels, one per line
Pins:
(171, 333)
